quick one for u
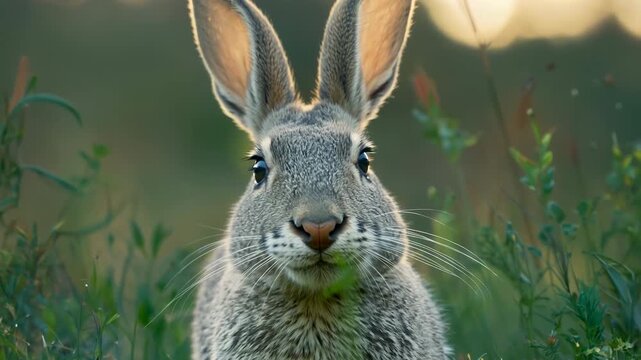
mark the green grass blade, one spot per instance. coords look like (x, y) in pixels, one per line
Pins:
(45, 98)
(65, 184)
(160, 234)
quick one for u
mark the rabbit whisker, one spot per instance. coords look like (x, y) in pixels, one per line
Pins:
(220, 260)
(363, 268)
(431, 260)
(215, 244)
(279, 272)
(260, 263)
(208, 272)
(428, 250)
(264, 273)
(456, 248)
(380, 257)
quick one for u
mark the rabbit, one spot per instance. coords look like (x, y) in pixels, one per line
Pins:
(314, 262)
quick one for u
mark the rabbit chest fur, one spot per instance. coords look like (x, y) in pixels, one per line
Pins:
(395, 319)
(314, 264)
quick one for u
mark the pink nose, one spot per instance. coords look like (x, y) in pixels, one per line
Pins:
(319, 237)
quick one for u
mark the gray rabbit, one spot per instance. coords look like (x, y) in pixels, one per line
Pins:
(314, 264)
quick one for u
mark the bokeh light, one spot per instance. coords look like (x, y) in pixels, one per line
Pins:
(490, 16)
(502, 22)
(628, 14)
(558, 18)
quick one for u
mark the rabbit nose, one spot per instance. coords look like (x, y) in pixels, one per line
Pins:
(319, 234)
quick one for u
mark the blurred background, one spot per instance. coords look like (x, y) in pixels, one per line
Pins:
(130, 67)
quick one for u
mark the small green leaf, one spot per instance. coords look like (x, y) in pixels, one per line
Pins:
(100, 151)
(548, 181)
(145, 306)
(45, 98)
(346, 280)
(136, 234)
(520, 159)
(65, 184)
(537, 132)
(111, 239)
(546, 234)
(569, 230)
(614, 180)
(159, 327)
(510, 234)
(92, 162)
(616, 150)
(33, 83)
(158, 237)
(546, 140)
(547, 159)
(528, 166)
(586, 209)
(535, 251)
(432, 192)
(555, 212)
(527, 181)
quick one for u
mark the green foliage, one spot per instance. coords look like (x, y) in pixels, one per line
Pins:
(539, 172)
(576, 282)
(439, 128)
(56, 301)
(573, 282)
(596, 318)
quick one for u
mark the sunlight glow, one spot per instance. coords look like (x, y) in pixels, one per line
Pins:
(628, 14)
(502, 22)
(559, 18)
(491, 18)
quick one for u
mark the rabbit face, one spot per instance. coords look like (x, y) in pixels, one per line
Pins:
(313, 174)
(314, 207)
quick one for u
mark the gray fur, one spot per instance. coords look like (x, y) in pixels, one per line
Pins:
(263, 294)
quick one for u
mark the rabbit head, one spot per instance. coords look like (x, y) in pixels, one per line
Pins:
(313, 203)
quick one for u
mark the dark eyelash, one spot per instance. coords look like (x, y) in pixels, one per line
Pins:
(367, 149)
(254, 157)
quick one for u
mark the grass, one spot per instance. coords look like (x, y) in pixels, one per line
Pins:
(56, 300)
(568, 275)
(575, 284)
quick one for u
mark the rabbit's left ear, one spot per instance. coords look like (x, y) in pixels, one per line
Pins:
(361, 53)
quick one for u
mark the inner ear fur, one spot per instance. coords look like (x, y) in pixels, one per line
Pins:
(361, 53)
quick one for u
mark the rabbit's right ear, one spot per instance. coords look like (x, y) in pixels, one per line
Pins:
(248, 67)
(361, 53)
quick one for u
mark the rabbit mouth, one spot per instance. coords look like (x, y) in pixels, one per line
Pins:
(318, 265)
(318, 275)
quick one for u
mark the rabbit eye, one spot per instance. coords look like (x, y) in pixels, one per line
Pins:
(260, 170)
(363, 162)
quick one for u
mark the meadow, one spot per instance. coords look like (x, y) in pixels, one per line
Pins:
(117, 171)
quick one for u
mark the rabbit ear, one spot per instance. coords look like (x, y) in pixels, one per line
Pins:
(361, 53)
(246, 61)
